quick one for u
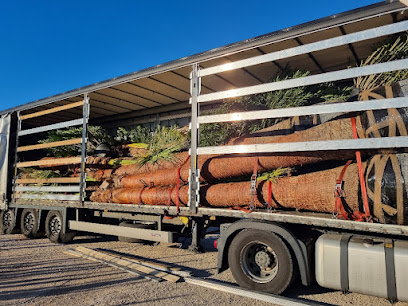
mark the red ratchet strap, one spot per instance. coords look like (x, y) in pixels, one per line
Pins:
(339, 195)
(339, 191)
(346, 213)
(367, 214)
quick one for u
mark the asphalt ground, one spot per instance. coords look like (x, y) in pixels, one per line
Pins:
(38, 272)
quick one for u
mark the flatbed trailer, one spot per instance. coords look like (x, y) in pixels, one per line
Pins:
(176, 91)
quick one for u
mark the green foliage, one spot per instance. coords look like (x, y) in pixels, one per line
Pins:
(117, 162)
(274, 175)
(96, 136)
(292, 97)
(221, 133)
(392, 49)
(165, 141)
(140, 134)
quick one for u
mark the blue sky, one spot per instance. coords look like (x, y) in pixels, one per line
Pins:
(48, 47)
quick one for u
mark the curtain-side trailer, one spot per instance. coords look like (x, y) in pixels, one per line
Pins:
(265, 243)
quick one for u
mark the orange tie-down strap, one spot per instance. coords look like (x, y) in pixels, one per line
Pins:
(345, 212)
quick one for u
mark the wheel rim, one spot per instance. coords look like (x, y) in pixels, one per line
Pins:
(55, 226)
(7, 220)
(259, 262)
(29, 221)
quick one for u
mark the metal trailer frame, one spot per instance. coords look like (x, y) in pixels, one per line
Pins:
(194, 210)
(52, 192)
(345, 144)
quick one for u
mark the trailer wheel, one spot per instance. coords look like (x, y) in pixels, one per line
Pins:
(132, 225)
(259, 260)
(53, 228)
(7, 221)
(29, 223)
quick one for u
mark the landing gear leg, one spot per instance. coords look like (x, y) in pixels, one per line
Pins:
(197, 233)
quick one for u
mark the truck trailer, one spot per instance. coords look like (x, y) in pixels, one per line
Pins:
(339, 218)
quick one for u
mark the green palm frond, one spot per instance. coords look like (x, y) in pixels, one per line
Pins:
(275, 175)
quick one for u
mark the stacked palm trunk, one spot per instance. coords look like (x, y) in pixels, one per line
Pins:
(308, 185)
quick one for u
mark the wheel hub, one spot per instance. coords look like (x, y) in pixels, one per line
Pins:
(259, 262)
(29, 222)
(7, 219)
(262, 259)
(55, 226)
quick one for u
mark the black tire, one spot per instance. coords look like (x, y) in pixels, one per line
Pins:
(29, 224)
(260, 260)
(7, 221)
(133, 225)
(53, 228)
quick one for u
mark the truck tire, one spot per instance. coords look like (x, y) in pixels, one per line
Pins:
(53, 228)
(29, 223)
(132, 225)
(260, 260)
(7, 221)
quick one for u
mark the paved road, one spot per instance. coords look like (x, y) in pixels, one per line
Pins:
(37, 272)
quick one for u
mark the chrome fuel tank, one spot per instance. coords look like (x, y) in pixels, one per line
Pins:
(366, 265)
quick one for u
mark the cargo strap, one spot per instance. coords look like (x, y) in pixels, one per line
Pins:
(390, 270)
(270, 196)
(340, 206)
(339, 194)
(344, 264)
(367, 214)
(252, 188)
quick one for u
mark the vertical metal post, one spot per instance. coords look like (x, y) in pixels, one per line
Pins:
(197, 232)
(14, 182)
(194, 178)
(85, 115)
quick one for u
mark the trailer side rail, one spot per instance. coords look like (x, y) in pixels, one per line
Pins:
(339, 75)
(53, 188)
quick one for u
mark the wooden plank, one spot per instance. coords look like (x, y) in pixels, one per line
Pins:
(264, 297)
(50, 145)
(77, 254)
(115, 230)
(53, 180)
(112, 264)
(129, 264)
(51, 162)
(52, 110)
(157, 266)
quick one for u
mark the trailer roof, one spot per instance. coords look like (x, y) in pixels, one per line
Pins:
(166, 86)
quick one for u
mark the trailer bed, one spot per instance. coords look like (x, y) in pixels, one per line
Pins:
(322, 220)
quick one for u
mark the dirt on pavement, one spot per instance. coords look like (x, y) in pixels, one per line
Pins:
(37, 272)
